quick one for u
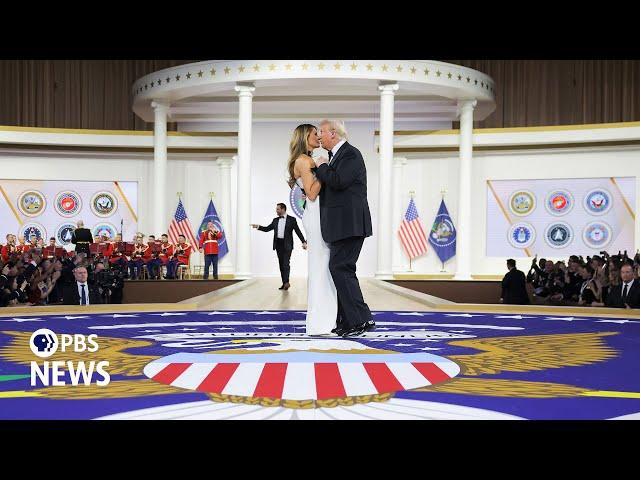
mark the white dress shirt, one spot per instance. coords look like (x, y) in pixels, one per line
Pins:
(335, 149)
(86, 292)
(281, 224)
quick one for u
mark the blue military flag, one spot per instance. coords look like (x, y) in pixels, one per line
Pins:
(443, 234)
(212, 216)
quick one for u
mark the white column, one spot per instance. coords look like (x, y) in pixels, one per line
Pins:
(387, 93)
(224, 211)
(463, 224)
(243, 229)
(160, 192)
(397, 255)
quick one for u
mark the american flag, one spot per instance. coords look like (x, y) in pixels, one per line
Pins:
(180, 225)
(411, 232)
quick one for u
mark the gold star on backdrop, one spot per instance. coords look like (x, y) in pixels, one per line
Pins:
(151, 84)
(459, 77)
(369, 67)
(305, 66)
(212, 72)
(256, 68)
(399, 68)
(241, 68)
(177, 78)
(321, 66)
(188, 74)
(272, 67)
(476, 82)
(337, 66)
(288, 66)
(426, 71)
(482, 84)
(168, 79)
(449, 75)
(438, 73)
(146, 87)
(413, 70)
(159, 81)
(384, 68)
(200, 73)
(353, 66)
(227, 70)
(468, 79)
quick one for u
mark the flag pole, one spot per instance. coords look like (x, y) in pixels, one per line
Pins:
(412, 194)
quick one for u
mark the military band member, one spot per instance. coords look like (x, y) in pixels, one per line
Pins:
(9, 249)
(136, 262)
(163, 257)
(181, 255)
(106, 247)
(22, 247)
(50, 250)
(209, 245)
(151, 259)
(117, 257)
(81, 238)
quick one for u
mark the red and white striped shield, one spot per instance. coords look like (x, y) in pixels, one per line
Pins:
(301, 375)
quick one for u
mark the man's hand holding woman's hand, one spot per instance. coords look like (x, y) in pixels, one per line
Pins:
(320, 160)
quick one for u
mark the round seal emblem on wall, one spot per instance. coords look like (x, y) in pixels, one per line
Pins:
(597, 234)
(33, 228)
(104, 204)
(32, 203)
(558, 235)
(64, 232)
(598, 201)
(522, 202)
(104, 229)
(68, 203)
(521, 235)
(559, 202)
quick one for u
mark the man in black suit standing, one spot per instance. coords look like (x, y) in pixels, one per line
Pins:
(514, 286)
(283, 226)
(82, 237)
(627, 294)
(345, 222)
(79, 292)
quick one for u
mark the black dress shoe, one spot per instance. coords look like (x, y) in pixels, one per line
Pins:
(370, 326)
(339, 331)
(281, 287)
(286, 286)
(355, 331)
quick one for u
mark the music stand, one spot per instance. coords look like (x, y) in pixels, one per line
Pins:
(128, 248)
(59, 252)
(93, 248)
(156, 247)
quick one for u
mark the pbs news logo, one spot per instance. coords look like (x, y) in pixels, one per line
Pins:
(45, 343)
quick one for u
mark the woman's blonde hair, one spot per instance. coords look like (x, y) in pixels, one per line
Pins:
(298, 146)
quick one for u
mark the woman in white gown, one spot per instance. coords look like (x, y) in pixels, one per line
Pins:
(322, 299)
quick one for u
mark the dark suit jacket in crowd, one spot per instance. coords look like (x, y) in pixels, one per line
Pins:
(70, 295)
(514, 288)
(291, 224)
(344, 210)
(614, 298)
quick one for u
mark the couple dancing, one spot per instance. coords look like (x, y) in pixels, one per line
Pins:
(337, 220)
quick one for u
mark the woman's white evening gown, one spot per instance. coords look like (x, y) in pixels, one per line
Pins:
(322, 298)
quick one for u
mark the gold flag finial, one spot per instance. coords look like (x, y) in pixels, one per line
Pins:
(443, 192)
(179, 194)
(412, 193)
(212, 194)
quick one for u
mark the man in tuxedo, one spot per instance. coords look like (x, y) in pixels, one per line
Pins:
(283, 226)
(345, 222)
(79, 292)
(514, 286)
(81, 238)
(627, 294)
